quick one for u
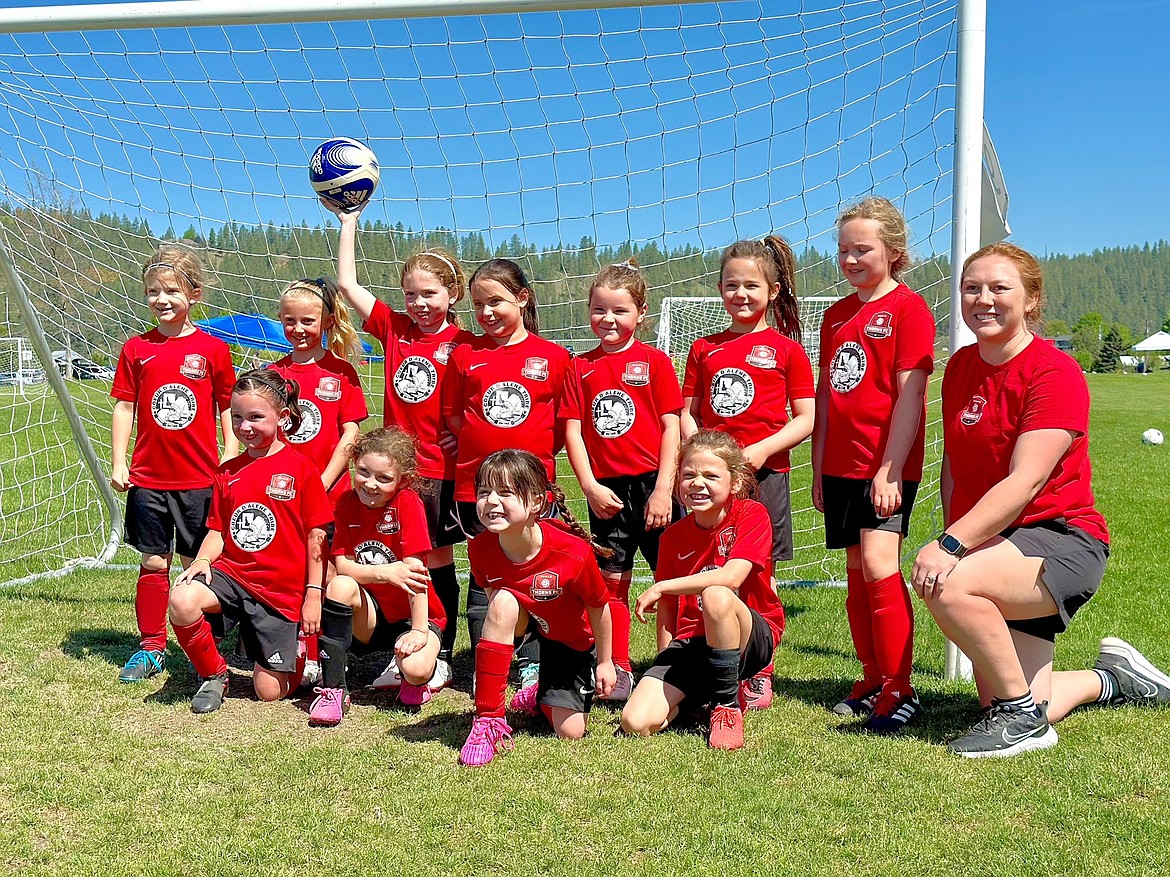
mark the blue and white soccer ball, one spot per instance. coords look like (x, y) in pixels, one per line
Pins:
(344, 172)
(1153, 437)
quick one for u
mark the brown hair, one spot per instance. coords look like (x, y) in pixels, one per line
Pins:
(622, 275)
(395, 445)
(892, 229)
(280, 391)
(777, 263)
(522, 473)
(723, 446)
(1031, 276)
(343, 337)
(178, 260)
(511, 276)
(446, 269)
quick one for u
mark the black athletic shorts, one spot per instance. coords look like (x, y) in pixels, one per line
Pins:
(566, 676)
(438, 499)
(849, 510)
(775, 497)
(686, 663)
(626, 531)
(269, 639)
(162, 521)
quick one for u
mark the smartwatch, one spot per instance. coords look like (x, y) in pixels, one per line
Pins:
(951, 545)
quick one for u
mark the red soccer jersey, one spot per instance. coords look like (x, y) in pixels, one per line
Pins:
(987, 407)
(864, 345)
(415, 365)
(620, 399)
(265, 508)
(394, 532)
(746, 382)
(687, 549)
(508, 398)
(554, 587)
(178, 387)
(331, 396)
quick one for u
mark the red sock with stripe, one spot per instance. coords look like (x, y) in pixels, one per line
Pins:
(196, 640)
(893, 629)
(150, 607)
(492, 662)
(861, 624)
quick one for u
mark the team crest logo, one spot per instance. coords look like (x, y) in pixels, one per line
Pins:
(194, 366)
(372, 552)
(415, 379)
(329, 389)
(173, 406)
(762, 356)
(847, 367)
(535, 368)
(310, 423)
(443, 352)
(637, 374)
(613, 413)
(732, 392)
(880, 325)
(974, 411)
(545, 586)
(281, 487)
(726, 541)
(506, 404)
(252, 526)
(389, 523)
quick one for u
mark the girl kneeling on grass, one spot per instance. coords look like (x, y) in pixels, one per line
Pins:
(719, 621)
(262, 561)
(381, 596)
(541, 581)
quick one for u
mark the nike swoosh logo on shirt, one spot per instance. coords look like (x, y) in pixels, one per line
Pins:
(685, 556)
(447, 528)
(588, 373)
(472, 368)
(496, 579)
(149, 358)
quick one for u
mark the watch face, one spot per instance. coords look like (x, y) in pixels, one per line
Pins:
(951, 545)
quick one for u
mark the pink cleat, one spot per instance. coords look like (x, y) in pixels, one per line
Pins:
(413, 695)
(329, 706)
(489, 735)
(524, 700)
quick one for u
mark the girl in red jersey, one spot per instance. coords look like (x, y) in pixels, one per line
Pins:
(502, 390)
(877, 352)
(1024, 546)
(542, 580)
(621, 412)
(262, 561)
(746, 379)
(719, 619)
(381, 595)
(171, 382)
(418, 345)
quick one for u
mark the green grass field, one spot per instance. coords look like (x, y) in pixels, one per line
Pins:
(107, 779)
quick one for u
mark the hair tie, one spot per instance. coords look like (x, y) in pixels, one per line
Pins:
(154, 266)
(320, 290)
(445, 261)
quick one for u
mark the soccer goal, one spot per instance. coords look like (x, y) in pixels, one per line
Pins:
(565, 135)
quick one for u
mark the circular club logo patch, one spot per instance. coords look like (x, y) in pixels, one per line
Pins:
(613, 413)
(173, 406)
(415, 379)
(310, 423)
(372, 552)
(506, 404)
(732, 391)
(847, 368)
(253, 526)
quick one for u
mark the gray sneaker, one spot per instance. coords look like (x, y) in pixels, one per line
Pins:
(209, 696)
(1004, 731)
(1138, 681)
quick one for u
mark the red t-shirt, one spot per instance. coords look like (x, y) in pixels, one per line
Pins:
(265, 508)
(746, 382)
(863, 346)
(394, 532)
(508, 398)
(178, 387)
(620, 399)
(330, 397)
(987, 407)
(415, 364)
(554, 587)
(687, 549)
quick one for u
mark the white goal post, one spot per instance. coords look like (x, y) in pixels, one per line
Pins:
(562, 133)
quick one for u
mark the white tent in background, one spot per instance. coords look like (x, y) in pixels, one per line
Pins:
(1159, 341)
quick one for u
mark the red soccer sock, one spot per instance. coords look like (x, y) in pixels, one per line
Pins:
(196, 640)
(619, 615)
(893, 629)
(150, 607)
(492, 662)
(861, 624)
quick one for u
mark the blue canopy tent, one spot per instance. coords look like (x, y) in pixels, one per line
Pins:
(256, 331)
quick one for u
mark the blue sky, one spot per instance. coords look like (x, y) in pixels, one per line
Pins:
(1073, 96)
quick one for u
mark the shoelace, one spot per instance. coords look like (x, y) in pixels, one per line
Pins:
(492, 731)
(723, 718)
(887, 702)
(144, 658)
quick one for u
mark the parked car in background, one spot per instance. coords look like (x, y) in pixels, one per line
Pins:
(22, 378)
(83, 369)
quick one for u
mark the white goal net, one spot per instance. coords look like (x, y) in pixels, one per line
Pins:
(563, 139)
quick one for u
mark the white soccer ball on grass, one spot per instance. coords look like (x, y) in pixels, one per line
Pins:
(1153, 437)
